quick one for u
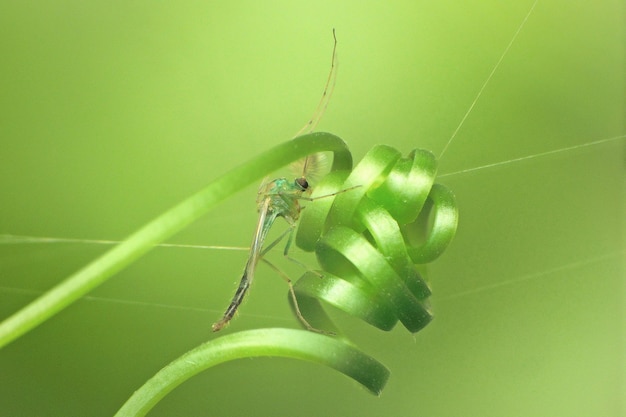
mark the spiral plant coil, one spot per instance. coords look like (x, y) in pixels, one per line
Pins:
(363, 238)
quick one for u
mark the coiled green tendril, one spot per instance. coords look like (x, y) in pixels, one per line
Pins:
(363, 238)
(363, 241)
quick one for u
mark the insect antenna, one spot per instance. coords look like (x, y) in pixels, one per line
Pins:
(328, 92)
(313, 165)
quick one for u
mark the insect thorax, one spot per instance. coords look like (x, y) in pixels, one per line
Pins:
(283, 195)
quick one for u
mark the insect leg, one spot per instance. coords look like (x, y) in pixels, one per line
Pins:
(294, 260)
(304, 322)
(328, 91)
(276, 241)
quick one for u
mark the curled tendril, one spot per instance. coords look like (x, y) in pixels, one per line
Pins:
(364, 238)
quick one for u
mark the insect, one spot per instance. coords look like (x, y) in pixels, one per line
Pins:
(280, 198)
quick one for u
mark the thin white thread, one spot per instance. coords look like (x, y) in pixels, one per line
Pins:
(537, 155)
(17, 239)
(35, 293)
(493, 71)
(7, 239)
(533, 276)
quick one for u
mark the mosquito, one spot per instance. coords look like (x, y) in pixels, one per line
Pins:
(281, 198)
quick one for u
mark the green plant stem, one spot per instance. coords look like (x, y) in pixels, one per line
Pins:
(165, 226)
(287, 343)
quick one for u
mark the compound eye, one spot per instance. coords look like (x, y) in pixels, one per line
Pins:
(302, 183)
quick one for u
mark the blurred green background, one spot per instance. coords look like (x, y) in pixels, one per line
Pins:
(112, 112)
